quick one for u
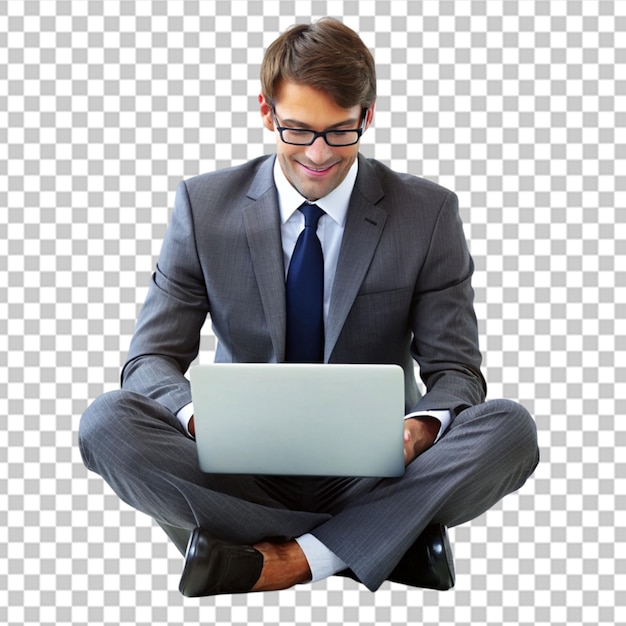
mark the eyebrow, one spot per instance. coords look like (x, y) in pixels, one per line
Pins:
(297, 124)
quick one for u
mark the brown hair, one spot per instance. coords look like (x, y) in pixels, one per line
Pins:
(325, 55)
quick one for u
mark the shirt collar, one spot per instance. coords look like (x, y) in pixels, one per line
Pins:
(335, 204)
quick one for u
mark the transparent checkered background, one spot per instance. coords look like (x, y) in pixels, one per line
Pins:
(518, 106)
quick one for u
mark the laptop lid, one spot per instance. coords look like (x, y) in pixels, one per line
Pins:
(299, 419)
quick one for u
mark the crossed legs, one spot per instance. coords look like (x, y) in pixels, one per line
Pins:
(138, 447)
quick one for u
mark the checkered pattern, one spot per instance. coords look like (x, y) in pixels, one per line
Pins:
(518, 106)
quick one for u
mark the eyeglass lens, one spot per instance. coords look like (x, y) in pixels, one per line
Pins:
(333, 138)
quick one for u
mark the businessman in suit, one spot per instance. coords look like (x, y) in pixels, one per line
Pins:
(396, 288)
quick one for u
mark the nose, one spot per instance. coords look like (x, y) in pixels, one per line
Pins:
(319, 152)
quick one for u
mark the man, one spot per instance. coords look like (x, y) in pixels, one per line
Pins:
(396, 288)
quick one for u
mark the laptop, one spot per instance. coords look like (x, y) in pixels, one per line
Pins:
(299, 419)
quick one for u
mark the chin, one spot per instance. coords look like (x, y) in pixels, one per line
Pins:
(315, 192)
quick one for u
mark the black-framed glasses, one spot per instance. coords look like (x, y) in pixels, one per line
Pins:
(334, 138)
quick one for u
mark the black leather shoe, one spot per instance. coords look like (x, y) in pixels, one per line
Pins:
(213, 567)
(428, 562)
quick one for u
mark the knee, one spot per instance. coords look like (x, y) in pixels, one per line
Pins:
(513, 414)
(517, 427)
(101, 420)
(101, 413)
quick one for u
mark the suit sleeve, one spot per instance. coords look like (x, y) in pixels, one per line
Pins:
(167, 334)
(445, 330)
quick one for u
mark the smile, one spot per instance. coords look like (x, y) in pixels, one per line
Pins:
(317, 171)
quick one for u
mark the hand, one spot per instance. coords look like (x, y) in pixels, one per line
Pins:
(191, 427)
(419, 435)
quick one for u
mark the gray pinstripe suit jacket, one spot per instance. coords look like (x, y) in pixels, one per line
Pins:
(402, 290)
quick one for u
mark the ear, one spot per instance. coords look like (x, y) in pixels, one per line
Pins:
(370, 115)
(266, 113)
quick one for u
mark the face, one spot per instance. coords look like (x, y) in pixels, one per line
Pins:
(317, 169)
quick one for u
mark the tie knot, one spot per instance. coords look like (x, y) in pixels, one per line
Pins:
(312, 214)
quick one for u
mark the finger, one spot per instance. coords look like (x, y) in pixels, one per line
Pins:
(408, 458)
(408, 455)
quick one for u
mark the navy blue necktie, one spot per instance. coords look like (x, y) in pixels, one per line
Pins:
(305, 293)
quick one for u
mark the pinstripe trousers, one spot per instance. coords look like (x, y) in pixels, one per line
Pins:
(140, 450)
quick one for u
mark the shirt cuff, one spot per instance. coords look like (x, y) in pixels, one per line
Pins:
(184, 415)
(444, 418)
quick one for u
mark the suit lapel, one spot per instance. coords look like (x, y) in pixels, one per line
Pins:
(365, 223)
(364, 226)
(262, 225)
